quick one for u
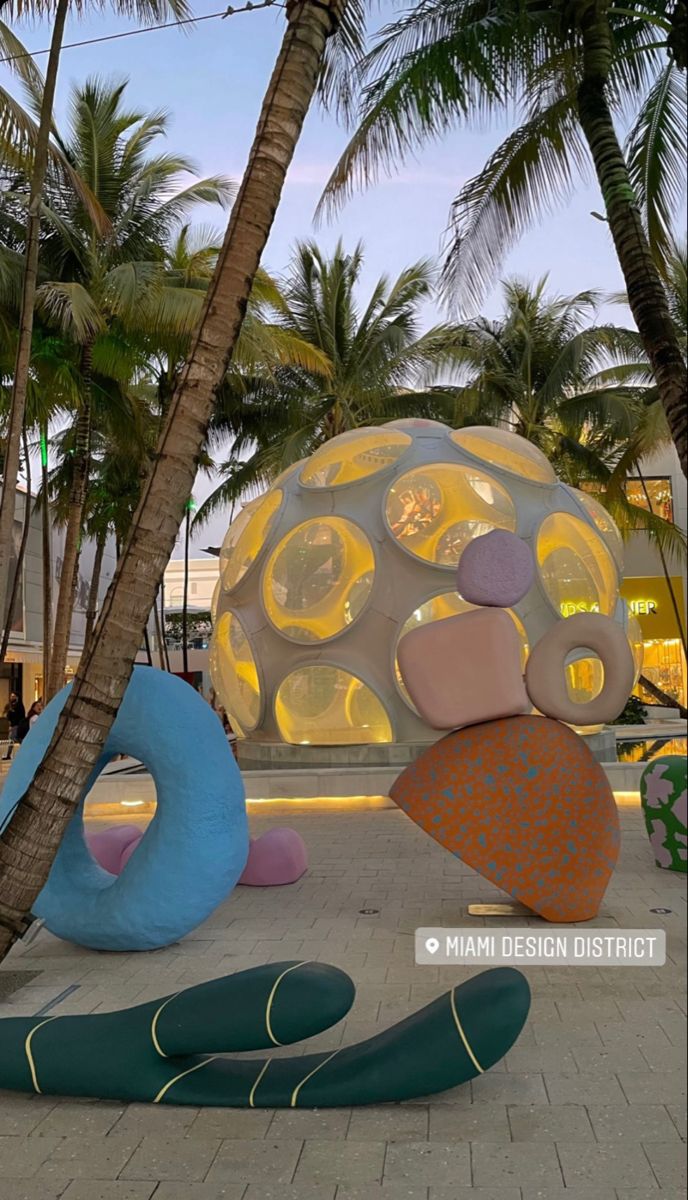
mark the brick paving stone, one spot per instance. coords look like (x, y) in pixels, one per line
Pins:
(381, 1191)
(482, 1122)
(584, 1089)
(21, 1114)
(389, 1123)
(20, 1189)
(329, 1124)
(266, 1161)
(348, 1162)
(77, 1120)
(169, 1158)
(141, 1119)
(521, 1162)
(86, 1156)
(649, 1194)
(258, 1191)
(475, 1193)
(510, 1089)
(20, 1158)
(653, 1087)
(231, 1123)
(428, 1163)
(617, 1164)
(550, 1123)
(639, 1122)
(200, 1191)
(118, 1189)
(668, 1163)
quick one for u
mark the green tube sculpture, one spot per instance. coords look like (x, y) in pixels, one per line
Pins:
(170, 1051)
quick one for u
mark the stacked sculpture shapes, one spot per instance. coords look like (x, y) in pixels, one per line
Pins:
(520, 798)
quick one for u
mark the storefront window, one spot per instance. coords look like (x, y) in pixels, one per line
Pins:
(661, 501)
(664, 664)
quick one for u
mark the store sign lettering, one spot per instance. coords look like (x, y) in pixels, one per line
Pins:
(643, 608)
(569, 608)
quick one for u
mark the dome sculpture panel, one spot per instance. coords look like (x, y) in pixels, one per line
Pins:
(318, 579)
(325, 705)
(435, 511)
(353, 547)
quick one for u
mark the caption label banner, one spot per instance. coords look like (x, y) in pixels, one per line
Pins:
(540, 948)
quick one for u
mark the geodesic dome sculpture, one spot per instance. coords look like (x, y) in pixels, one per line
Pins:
(322, 575)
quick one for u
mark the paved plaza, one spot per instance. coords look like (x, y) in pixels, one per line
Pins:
(589, 1105)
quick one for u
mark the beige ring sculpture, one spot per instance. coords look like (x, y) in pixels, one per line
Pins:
(546, 669)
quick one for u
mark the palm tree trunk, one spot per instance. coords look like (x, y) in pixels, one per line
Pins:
(21, 552)
(185, 594)
(160, 638)
(46, 539)
(28, 300)
(646, 296)
(30, 840)
(92, 609)
(69, 579)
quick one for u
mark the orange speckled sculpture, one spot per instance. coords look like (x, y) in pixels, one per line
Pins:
(523, 802)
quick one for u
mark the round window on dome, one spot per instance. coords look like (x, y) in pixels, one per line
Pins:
(318, 579)
(506, 450)
(576, 568)
(433, 512)
(353, 456)
(246, 537)
(439, 608)
(326, 706)
(584, 679)
(604, 523)
(234, 673)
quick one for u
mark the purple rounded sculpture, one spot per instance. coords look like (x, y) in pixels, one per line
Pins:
(278, 857)
(112, 848)
(495, 570)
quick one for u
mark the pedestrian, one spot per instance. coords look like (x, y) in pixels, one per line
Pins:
(35, 711)
(15, 714)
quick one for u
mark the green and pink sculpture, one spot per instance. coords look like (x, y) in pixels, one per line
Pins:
(663, 798)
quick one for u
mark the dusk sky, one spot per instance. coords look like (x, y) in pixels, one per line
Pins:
(211, 78)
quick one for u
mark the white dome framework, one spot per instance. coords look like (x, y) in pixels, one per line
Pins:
(322, 575)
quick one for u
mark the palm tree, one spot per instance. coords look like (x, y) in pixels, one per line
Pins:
(109, 271)
(29, 841)
(570, 67)
(15, 129)
(371, 357)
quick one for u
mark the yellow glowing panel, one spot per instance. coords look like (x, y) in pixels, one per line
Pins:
(576, 568)
(246, 537)
(234, 673)
(604, 523)
(438, 608)
(635, 640)
(506, 450)
(318, 579)
(435, 511)
(326, 706)
(584, 679)
(353, 456)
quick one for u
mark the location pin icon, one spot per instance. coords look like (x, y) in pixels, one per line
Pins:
(432, 945)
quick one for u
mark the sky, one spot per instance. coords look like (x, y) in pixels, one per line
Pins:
(211, 79)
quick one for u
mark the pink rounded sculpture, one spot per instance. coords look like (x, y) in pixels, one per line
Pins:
(277, 857)
(495, 570)
(112, 848)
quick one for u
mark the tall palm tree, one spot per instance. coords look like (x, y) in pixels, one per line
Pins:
(109, 271)
(29, 841)
(376, 364)
(571, 68)
(577, 390)
(11, 123)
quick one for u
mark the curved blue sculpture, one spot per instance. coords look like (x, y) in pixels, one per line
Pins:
(196, 846)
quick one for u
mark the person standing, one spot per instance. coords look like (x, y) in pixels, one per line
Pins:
(35, 711)
(16, 715)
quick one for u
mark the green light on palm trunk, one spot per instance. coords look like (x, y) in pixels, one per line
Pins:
(44, 449)
(191, 505)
